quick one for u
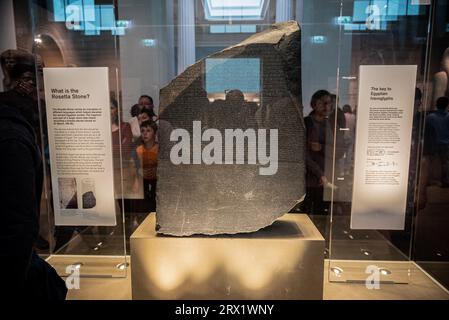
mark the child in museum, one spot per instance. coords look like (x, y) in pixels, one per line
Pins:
(147, 153)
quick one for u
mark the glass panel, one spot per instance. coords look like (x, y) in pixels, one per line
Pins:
(146, 44)
(377, 33)
(85, 224)
(430, 249)
(152, 42)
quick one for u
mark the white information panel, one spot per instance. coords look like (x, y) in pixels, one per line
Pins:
(382, 148)
(79, 134)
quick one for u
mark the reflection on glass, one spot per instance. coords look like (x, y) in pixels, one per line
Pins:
(224, 75)
(235, 9)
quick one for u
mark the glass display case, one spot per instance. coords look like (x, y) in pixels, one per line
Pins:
(383, 52)
(367, 162)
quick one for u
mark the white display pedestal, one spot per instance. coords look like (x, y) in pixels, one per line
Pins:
(283, 261)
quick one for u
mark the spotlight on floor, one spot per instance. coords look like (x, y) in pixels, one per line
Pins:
(366, 252)
(337, 271)
(122, 266)
(384, 272)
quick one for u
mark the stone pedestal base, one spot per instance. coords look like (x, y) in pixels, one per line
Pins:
(283, 261)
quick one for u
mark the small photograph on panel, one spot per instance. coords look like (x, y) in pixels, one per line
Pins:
(68, 195)
(88, 193)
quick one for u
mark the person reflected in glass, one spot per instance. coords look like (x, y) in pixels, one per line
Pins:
(146, 103)
(145, 115)
(349, 137)
(234, 108)
(416, 194)
(337, 121)
(122, 150)
(318, 147)
(121, 133)
(437, 138)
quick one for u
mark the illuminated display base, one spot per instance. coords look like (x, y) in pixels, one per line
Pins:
(283, 261)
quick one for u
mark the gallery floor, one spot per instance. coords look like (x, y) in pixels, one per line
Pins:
(346, 244)
(421, 287)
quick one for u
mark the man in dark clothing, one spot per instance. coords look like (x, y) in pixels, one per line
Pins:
(24, 274)
(318, 148)
(23, 95)
(437, 137)
(20, 187)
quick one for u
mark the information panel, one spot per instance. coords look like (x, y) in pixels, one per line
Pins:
(382, 149)
(79, 133)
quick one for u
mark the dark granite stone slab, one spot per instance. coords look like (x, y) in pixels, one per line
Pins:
(232, 198)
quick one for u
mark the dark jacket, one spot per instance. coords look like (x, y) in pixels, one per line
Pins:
(319, 133)
(20, 191)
